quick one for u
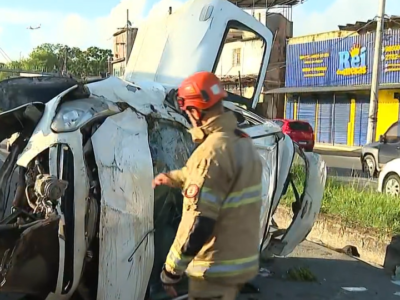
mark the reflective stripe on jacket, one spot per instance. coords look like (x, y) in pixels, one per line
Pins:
(227, 170)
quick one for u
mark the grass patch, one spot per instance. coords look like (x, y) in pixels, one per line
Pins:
(301, 274)
(356, 207)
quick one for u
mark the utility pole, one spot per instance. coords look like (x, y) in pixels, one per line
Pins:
(65, 60)
(376, 72)
(127, 38)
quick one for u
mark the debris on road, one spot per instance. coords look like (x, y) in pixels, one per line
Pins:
(301, 274)
(349, 250)
(355, 289)
(264, 272)
(396, 282)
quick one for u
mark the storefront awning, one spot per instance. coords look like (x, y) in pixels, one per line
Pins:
(327, 89)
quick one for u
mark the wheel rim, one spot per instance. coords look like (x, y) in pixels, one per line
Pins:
(392, 187)
(370, 166)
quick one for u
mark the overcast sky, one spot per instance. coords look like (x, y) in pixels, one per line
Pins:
(85, 23)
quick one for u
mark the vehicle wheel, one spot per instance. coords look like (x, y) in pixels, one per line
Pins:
(369, 165)
(391, 185)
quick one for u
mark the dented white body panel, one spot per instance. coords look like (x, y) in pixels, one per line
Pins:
(147, 98)
(125, 172)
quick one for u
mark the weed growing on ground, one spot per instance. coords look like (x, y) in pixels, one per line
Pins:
(357, 207)
(301, 274)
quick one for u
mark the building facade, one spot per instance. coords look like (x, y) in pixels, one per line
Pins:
(240, 61)
(328, 81)
(123, 41)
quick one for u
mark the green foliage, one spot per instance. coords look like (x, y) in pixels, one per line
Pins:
(301, 274)
(356, 206)
(53, 57)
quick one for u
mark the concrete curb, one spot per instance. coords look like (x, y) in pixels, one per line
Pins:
(331, 232)
(337, 148)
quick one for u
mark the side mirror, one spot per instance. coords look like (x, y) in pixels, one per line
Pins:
(382, 139)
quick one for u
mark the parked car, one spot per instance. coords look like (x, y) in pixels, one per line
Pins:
(376, 155)
(299, 131)
(389, 178)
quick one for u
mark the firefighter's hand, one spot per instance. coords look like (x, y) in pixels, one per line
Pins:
(162, 179)
(169, 281)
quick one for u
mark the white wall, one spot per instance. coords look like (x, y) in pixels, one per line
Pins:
(251, 59)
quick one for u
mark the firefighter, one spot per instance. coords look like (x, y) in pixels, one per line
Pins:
(217, 242)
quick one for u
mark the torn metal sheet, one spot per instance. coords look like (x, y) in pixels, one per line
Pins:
(310, 206)
(127, 202)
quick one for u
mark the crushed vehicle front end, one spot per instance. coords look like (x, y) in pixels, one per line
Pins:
(49, 195)
(76, 183)
(40, 189)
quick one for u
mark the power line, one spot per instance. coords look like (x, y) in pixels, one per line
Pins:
(4, 54)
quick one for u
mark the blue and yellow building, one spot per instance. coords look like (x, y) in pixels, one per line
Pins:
(328, 81)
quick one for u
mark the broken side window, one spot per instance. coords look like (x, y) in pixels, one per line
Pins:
(170, 146)
(240, 61)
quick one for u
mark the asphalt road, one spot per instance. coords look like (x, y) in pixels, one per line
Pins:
(333, 271)
(346, 167)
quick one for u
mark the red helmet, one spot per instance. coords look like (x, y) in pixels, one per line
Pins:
(201, 90)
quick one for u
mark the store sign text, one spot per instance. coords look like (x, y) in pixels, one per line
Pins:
(392, 57)
(314, 64)
(353, 62)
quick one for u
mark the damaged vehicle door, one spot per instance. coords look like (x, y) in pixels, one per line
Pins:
(289, 173)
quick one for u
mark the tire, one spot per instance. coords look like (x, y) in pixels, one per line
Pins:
(369, 165)
(391, 185)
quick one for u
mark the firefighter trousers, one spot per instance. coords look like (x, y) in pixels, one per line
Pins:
(205, 290)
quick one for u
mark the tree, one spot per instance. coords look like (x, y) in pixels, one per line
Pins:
(96, 59)
(57, 57)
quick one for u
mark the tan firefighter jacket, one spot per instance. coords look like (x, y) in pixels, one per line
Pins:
(221, 181)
